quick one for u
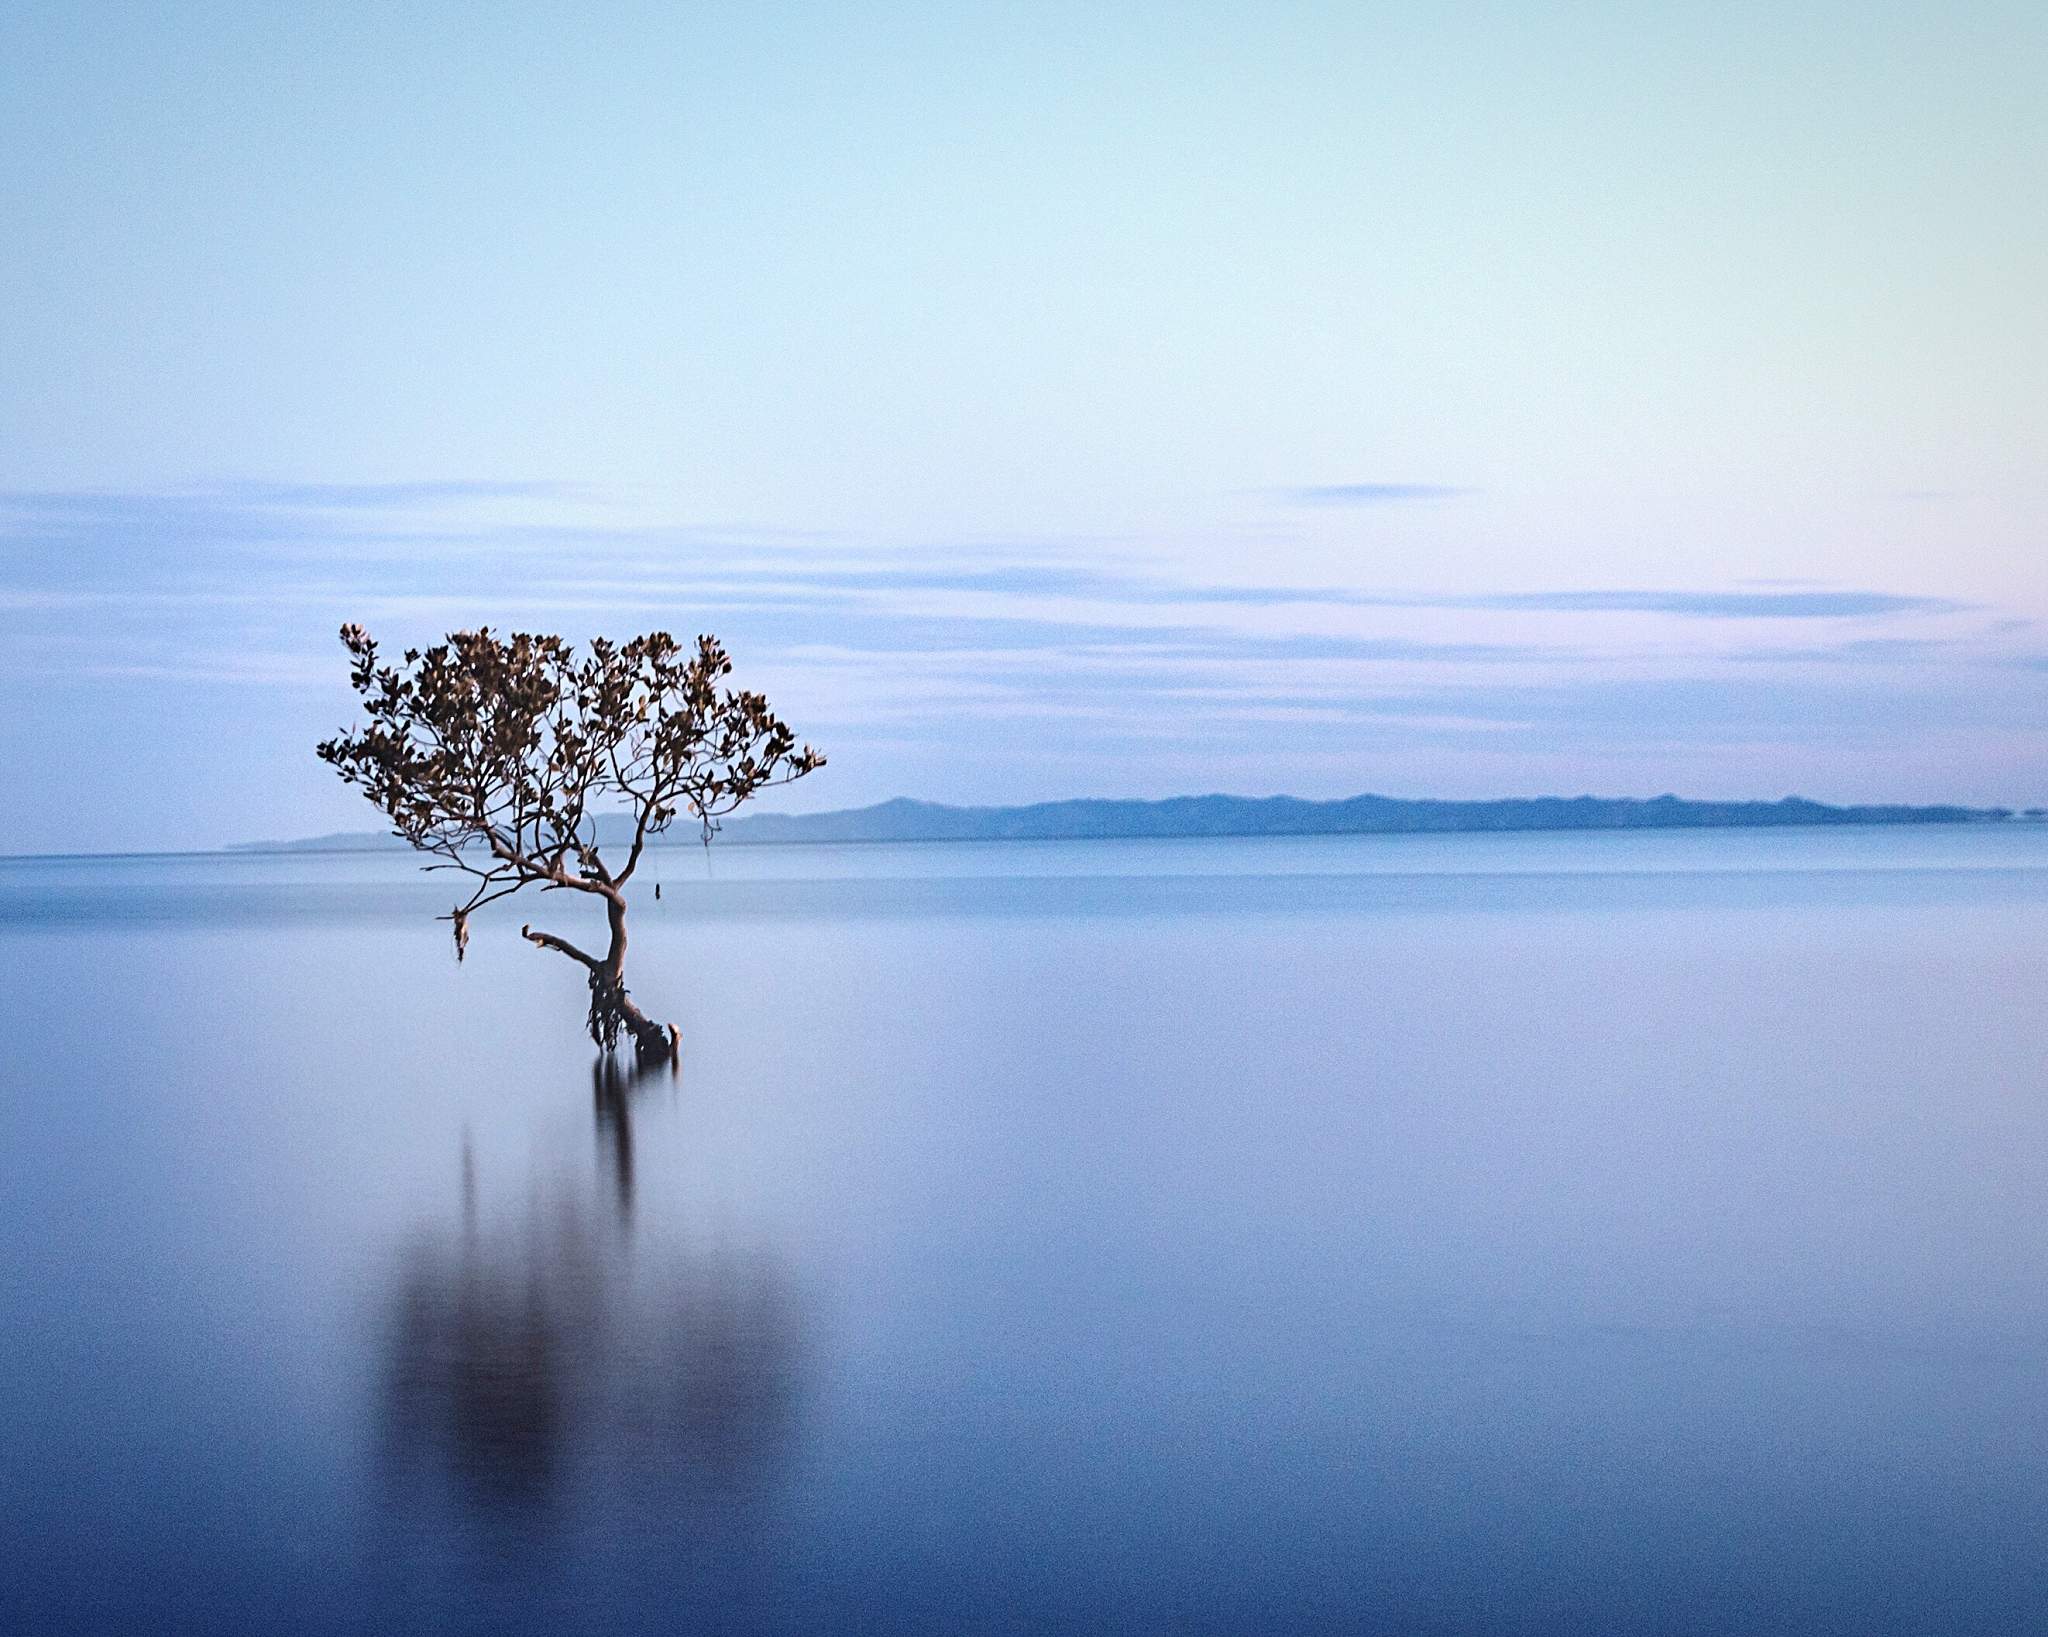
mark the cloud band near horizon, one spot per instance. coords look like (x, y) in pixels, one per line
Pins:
(980, 672)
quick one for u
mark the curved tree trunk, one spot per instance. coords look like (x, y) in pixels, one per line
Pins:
(612, 1011)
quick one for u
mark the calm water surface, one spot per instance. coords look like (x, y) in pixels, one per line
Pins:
(1421, 1234)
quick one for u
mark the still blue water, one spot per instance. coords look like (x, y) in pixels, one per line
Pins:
(1597, 1233)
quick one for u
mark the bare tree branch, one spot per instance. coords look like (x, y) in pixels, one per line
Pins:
(547, 940)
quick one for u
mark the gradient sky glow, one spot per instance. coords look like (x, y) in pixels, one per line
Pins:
(1041, 401)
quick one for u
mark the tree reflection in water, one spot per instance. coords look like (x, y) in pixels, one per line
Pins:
(554, 1355)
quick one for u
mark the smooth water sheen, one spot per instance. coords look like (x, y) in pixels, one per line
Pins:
(1594, 1233)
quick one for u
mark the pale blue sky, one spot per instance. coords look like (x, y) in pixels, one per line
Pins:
(1042, 400)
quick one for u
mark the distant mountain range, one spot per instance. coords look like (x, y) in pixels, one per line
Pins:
(1185, 816)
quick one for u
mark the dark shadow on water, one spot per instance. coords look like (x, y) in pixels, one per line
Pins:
(542, 1366)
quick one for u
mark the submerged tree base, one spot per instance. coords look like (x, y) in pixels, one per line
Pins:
(612, 1013)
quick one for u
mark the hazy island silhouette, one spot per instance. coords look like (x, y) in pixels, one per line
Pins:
(904, 819)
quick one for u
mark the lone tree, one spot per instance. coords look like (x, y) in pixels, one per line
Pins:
(497, 756)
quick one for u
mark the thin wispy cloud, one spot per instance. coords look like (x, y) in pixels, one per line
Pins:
(1871, 651)
(386, 496)
(1368, 494)
(287, 496)
(1718, 605)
